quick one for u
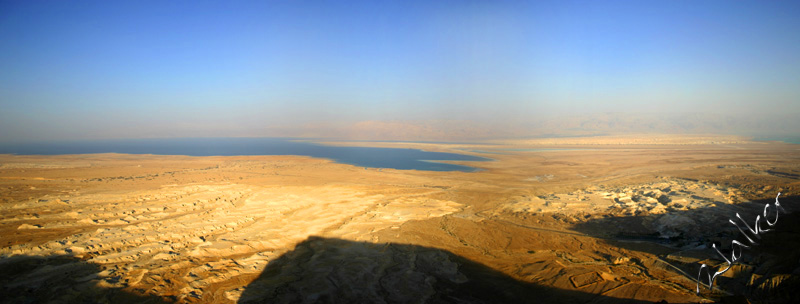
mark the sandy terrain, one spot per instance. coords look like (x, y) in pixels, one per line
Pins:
(604, 221)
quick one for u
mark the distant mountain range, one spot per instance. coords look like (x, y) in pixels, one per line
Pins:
(756, 125)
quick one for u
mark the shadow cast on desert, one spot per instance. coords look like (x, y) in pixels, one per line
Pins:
(329, 270)
(766, 272)
(61, 279)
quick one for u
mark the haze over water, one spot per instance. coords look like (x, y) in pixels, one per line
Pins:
(617, 132)
(410, 70)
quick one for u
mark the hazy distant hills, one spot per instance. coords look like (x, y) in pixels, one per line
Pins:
(756, 125)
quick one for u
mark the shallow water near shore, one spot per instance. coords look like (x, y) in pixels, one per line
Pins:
(786, 139)
(394, 158)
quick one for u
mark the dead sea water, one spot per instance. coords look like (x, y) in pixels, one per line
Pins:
(402, 159)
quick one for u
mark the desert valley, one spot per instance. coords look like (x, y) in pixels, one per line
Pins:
(567, 220)
(399, 151)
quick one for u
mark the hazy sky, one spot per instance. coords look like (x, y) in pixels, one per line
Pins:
(79, 69)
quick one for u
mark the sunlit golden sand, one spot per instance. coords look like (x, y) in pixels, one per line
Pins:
(201, 229)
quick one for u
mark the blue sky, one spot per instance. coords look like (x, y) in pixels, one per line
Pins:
(100, 69)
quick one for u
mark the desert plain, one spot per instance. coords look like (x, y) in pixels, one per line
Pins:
(623, 219)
